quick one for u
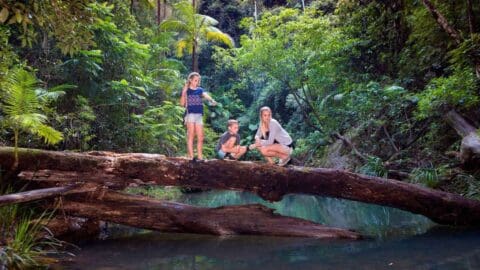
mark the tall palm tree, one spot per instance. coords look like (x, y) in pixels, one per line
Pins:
(193, 30)
(22, 100)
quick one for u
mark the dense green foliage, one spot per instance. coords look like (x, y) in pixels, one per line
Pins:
(93, 75)
(380, 73)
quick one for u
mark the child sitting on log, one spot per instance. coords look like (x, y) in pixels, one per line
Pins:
(229, 143)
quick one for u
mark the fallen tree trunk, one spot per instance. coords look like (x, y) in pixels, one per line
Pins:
(38, 194)
(143, 212)
(268, 181)
(470, 146)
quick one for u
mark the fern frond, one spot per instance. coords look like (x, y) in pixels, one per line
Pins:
(22, 106)
(49, 134)
(19, 95)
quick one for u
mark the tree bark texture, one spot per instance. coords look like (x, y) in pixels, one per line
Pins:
(38, 194)
(117, 171)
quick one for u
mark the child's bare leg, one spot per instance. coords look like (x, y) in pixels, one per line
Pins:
(241, 150)
(199, 133)
(190, 137)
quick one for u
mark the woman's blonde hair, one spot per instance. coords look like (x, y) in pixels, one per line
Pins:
(264, 126)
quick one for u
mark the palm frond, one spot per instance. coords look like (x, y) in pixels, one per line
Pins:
(53, 93)
(30, 121)
(173, 25)
(206, 20)
(62, 87)
(49, 134)
(221, 37)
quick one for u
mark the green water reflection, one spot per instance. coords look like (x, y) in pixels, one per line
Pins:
(372, 220)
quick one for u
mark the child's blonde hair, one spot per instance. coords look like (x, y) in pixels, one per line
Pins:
(231, 122)
(193, 74)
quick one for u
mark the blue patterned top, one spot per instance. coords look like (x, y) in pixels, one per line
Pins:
(194, 100)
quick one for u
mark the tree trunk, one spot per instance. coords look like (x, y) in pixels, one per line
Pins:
(142, 212)
(471, 17)
(452, 32)
(442, 21)
(470, 146)
(194, 59)
(270, 182)
(38, 194)
(159, 12)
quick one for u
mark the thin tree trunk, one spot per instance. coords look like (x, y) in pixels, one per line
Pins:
(255, 15)
(305, 115)
(195, 58)
(442, 21)
(164, 10)
(347, 142)
(38, 194)
(471, 17)
(159, 12)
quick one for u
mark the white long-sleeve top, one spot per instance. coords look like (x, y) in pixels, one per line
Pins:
(276, 133)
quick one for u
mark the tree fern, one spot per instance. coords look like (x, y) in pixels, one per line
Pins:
(22, 104)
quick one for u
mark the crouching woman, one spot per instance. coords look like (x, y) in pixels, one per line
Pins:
(271, 140)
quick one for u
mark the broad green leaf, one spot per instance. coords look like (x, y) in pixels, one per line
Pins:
(4, 15)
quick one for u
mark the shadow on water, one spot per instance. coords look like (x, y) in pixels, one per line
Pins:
(400, 241)
(433, 250)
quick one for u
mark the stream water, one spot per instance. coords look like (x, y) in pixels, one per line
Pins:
(399, 240)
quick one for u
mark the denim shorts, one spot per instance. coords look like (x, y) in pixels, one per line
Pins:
(221, 154)
(196, 118)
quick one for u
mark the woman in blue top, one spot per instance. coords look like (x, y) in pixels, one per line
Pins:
(272, 140)
(192, 99)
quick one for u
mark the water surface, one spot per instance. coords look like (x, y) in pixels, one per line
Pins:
(399, 240)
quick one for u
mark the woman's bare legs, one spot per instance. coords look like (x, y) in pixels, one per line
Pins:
(199, 133)
(190, 138)
(274, 150)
